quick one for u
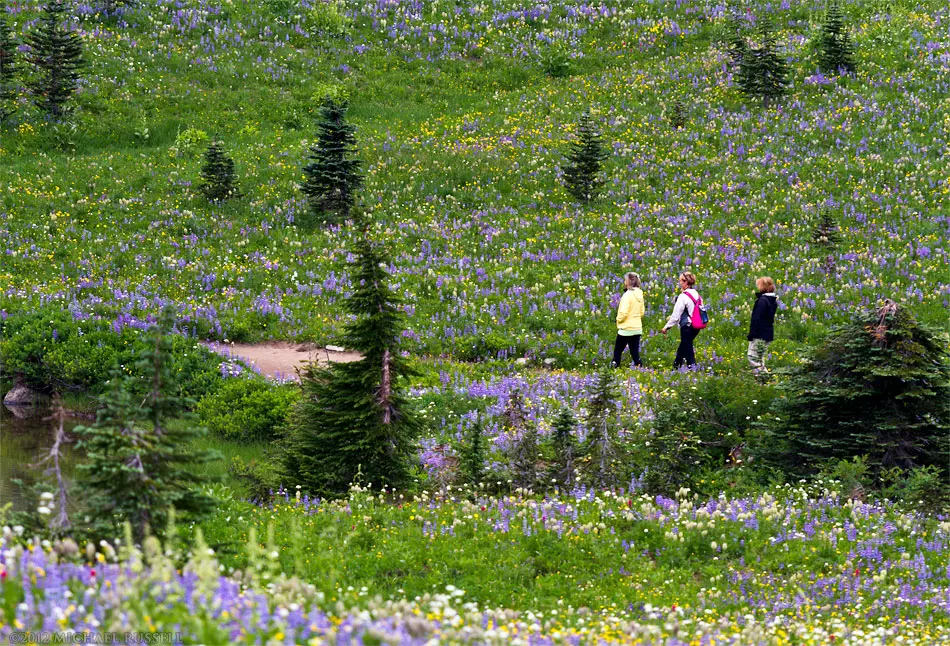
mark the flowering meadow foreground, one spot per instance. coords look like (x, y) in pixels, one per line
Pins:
(797, 567)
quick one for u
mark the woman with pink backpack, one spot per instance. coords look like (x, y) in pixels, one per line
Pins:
(689, 313)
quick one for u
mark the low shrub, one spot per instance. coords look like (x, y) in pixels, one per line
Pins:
(247, 410)
(922, 490)
(699, 428)
(51, 351)
(556, 63)
(260, 478)
(328, 18)
(852, 475)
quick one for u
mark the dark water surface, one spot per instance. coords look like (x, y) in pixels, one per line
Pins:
(24, 442)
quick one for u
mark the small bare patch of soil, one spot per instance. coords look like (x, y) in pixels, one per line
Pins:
(281, 358)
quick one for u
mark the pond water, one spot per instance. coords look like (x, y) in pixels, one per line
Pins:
(24, 442)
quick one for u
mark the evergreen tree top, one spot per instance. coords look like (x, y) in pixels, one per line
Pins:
(836, 48)
(379, 320)
(603, 393)
(332, 121)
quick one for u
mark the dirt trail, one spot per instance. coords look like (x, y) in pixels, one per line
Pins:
(281, 358)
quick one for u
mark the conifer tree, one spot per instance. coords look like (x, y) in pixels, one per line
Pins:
(524, 441)
(333, 175)
(8, 87)
(600, 447)
(876, 386)
(836, 50)
(218, 179)
(138, 465)
(762, 72)
(738, 47)
(355, 416)
(678, 116)
(746, 70)
(473, 453)
(771, 69)
(565, 447)
(826, 231)
(584, 162)
(56, 55)
(826, 238)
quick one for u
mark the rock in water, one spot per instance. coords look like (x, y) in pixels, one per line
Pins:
(21, 395)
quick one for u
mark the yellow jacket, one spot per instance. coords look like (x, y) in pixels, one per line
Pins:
(630, 310)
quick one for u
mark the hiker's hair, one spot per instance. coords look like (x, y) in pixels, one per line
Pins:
(765, 284)
(689, 277)
(632, 279)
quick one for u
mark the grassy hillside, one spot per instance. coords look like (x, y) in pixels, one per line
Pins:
(462, 132)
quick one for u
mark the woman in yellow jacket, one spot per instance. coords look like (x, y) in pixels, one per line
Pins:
(629, 323)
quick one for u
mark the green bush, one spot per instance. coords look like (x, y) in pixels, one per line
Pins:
(852, 476)
(198, 368)
(247, 410)
(25, 342)
(49, 351)
(328, 18)
(699, 429)
(556, 63)
(736, 479)
(188, 142)
(923, 490)
(260, 479)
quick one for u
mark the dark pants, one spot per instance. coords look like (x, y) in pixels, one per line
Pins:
(624, 341)
(684, 353)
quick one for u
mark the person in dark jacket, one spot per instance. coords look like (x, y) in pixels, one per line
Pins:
(762, 328)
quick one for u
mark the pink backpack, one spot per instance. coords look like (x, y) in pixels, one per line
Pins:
(699, 317)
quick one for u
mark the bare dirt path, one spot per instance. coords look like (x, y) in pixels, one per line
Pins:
(281, 358)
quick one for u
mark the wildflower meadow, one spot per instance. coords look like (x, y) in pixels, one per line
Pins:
(387, 177)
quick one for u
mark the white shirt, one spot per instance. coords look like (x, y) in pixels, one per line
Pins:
(682, 301)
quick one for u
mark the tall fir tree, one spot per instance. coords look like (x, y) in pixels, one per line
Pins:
(582, 173)
(565, 447)
(355, 417)
(473, 453)
(8, 67)
(835, 48)
(876, 386)
(601, 454)
(772, 70)
(746, 68)
(218, 179)
(139, 466)
(333, 176)
(762, 72)
(56, 55)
